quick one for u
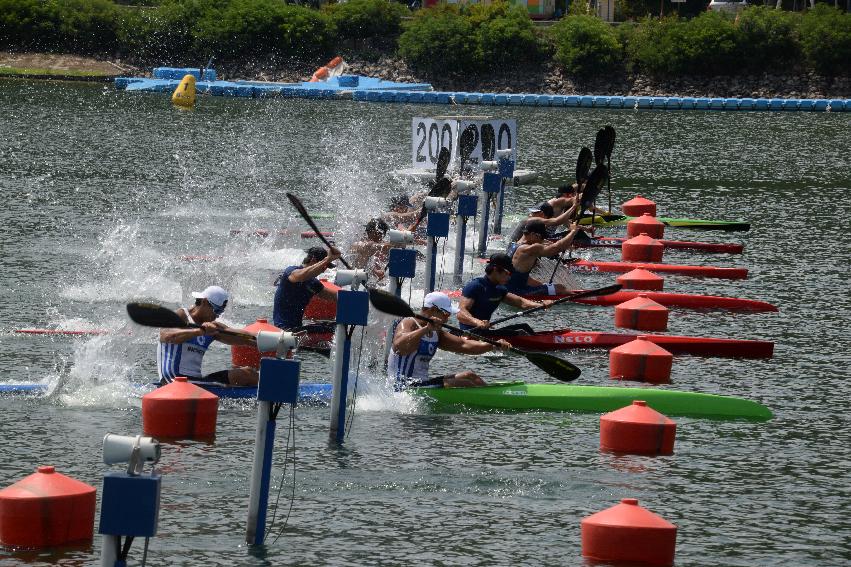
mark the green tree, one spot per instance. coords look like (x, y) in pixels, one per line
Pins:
(826, 40)
(439, 40)
(586, 46)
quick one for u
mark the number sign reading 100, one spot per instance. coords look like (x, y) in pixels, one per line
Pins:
(428, 137)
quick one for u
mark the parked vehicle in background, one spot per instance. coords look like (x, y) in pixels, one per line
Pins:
(727, 6)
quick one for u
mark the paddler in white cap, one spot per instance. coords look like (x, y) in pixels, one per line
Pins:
(415, 342)
(181, 351)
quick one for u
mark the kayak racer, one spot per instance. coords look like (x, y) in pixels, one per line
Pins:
(481, 296)
(525, 254)
(298, 284)
(415, 342)
(180, 352)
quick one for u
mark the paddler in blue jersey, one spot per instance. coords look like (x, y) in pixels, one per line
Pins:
(298, 284)
(181, 351)
(481, 297)
(415, 342)
(525, 254)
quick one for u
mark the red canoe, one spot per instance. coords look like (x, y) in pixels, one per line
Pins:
(616, 242)
(687, 300)
(696, 271)
(697, 346)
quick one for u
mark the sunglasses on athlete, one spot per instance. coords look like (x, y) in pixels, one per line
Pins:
(217, 310)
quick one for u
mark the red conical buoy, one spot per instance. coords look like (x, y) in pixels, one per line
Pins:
(46, 509)
(637, 206)
(642, 248)
(638, 430)
(248, 355)
(628, 532)
(641, 313)
(322, 309)
(641, 360)
(645, 223)
(641, 279)
(180, 410)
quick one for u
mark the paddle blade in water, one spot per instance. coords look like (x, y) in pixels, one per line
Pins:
(152, 315)
(387, 302)
(583, 164)
(558, 368)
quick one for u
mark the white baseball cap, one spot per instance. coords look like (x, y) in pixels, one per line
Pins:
(441, 301)
(214, 294)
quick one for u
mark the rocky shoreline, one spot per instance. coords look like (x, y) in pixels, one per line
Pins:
(543, 79)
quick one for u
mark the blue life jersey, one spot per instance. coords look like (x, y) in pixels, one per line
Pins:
(292, 298)
(403, 370)
(486, 297)
(182, 359)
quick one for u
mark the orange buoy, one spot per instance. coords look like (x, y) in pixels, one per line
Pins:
(641, 313)
(641, 279)
(641, 360)
(322, 309)
(248, 355)
(46, 509)
(638, 430)
(645, 223)
(637, 206)
(180, 410)
(642, 248)
(628, 532)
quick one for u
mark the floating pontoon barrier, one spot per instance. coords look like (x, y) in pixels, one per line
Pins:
(371, 89)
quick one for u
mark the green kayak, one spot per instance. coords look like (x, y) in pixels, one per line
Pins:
(519, 396)
(618, 220)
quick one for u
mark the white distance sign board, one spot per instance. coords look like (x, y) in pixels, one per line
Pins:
(429, 135)
(490, 135)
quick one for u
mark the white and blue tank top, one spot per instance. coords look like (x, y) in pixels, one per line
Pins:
(182, 359)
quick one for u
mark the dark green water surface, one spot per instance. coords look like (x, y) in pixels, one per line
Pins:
(105, 193)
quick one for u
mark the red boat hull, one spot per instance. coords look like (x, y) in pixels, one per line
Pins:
(617, 242)
(563, 339)
(695, 271)
(685, 300)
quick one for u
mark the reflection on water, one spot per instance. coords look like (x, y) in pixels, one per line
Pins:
(113, 196)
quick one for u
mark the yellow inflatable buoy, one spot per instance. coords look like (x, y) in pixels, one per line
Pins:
(184, 94)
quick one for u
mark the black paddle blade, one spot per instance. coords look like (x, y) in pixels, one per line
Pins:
(600, 146)
(610, 141)
(387, 302)
(299, 206)
(152, 315)
(443, 159)
(488, 142)
(558, 368)
(583, 164)
(442, 188)
(467, 143)
(594, 185)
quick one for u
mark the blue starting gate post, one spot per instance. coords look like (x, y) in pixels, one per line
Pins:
(438, 227)
(352, 309)
(491, 183)
(402, 264)
(467, 206)
(278, 385)
(506, 172)
(130, 501)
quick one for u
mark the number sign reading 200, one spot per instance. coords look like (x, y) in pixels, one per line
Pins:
(429, 137)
